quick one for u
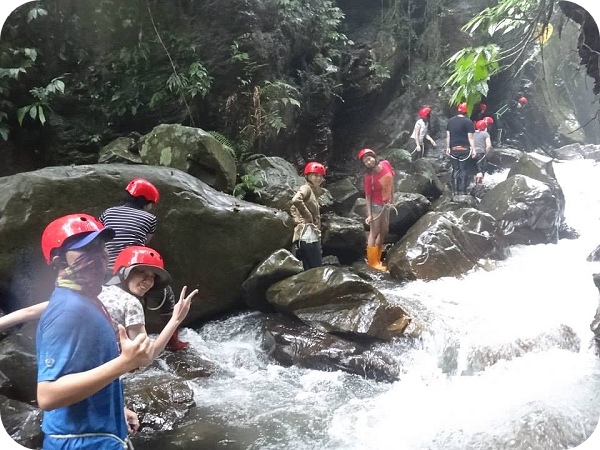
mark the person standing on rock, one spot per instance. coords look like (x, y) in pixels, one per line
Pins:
(483, 145)
(80, 358)
(306, 213)
(421, 133)
(460, 148)
(134, 225)
(379, 194)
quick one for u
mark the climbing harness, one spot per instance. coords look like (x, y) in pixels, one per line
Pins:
(458, 159)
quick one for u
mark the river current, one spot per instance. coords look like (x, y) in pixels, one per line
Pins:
(505, 361)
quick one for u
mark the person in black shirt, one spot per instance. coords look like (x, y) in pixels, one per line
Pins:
(460, 147)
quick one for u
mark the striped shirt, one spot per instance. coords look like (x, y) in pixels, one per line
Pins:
(132, 227)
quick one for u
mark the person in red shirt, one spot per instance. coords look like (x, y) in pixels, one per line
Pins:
(379, 193)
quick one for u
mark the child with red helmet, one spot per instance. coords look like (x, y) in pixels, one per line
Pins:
(421, 133)
(137, 270)
(78, 357)
(306, 213)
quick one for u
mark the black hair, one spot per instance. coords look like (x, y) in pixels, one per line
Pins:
(135, 202)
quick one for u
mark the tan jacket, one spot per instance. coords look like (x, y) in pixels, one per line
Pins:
(305, 211)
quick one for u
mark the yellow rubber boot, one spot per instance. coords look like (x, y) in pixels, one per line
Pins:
(373, 255)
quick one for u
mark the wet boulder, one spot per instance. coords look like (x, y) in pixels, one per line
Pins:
(343, 237)
(540, 167)
(528, 211)
(408, 209)
(18, 372)
(568, 152)
(22, 422)
(191, 150)
(296, 344)
(279, 265)
(502, 158)
(120, 151)
(443, 244)
(344, 193)
(160, 400)
(420, 179)
(333, 299)
(274, 181)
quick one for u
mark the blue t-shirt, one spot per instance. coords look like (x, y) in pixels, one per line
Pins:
(74, 335)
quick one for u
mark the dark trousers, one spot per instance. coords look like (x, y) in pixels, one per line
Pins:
(460, 169)
(309, 253)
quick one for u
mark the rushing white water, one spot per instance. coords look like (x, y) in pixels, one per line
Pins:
(505, 360)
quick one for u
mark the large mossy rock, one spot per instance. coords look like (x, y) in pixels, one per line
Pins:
(209, 240)
(190, 150)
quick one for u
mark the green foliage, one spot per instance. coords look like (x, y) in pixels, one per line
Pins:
(141, 77)
(518, 22)
(248, 184)
(472, 69)
(16, 64)
(42, 97)
(238, 149)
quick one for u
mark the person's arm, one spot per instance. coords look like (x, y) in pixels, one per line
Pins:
(430, 139)
(22, 315)
(488, 145)
(75, 387)
(447, 142)
(472, 144)
(180, 311)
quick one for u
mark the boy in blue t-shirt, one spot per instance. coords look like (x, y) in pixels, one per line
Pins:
(79, 363)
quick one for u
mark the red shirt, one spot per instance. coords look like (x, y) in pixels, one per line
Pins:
(378, 185)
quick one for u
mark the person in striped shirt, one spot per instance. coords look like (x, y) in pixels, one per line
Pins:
(132, 221)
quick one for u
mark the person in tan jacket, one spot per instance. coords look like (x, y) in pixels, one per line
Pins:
(306, 214)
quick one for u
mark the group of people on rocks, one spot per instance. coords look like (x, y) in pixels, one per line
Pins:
(92, 329)
(468, 143)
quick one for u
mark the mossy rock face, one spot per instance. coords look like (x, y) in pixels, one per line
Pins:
(190, 150)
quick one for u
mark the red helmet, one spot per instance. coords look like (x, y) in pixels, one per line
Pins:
(482, 107)
(140, 187)
(139, 256)
(488, 120)
(364, 152)
(522, 100)
(462, 108)
(424, 112)
(59, 230)
(480, 125)
(314, 167)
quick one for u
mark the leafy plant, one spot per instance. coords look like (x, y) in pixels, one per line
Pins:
(42, 96)
(248, 184)
(518, 23)
(472, 69)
